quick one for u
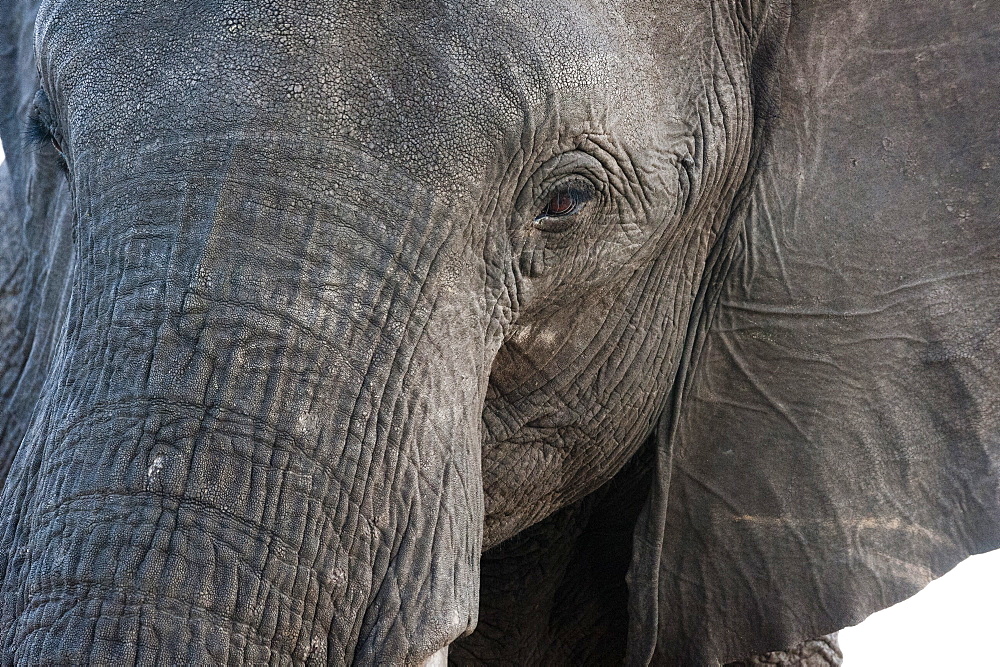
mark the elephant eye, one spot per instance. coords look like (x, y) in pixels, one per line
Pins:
(40, 126)
(564, 202)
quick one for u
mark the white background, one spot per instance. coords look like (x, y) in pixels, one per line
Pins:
(949, 623)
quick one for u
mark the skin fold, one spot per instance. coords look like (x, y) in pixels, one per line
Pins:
(348, 332)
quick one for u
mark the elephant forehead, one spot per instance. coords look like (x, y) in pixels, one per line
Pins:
(448, 85)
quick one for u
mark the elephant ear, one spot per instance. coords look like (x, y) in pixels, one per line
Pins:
(833, 443)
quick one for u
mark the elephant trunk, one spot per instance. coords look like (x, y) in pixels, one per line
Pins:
(260, 439)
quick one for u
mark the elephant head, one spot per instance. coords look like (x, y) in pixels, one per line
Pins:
(678, 311)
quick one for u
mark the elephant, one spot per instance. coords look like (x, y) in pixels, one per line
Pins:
(649, 332)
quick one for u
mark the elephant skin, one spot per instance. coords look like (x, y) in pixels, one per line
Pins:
(491, 332)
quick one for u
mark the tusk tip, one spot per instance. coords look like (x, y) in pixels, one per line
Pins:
(439, 659)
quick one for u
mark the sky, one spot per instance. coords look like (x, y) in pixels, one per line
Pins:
(951, 622)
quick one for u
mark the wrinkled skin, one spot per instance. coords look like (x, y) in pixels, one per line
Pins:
(346, 327)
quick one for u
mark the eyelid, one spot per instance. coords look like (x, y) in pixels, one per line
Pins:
(40, 128)
(41, 108)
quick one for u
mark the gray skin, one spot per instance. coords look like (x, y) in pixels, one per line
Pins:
(306, 363)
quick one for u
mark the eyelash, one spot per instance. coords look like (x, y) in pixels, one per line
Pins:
(38, 133)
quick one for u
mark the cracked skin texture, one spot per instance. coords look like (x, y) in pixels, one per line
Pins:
(297, 371)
